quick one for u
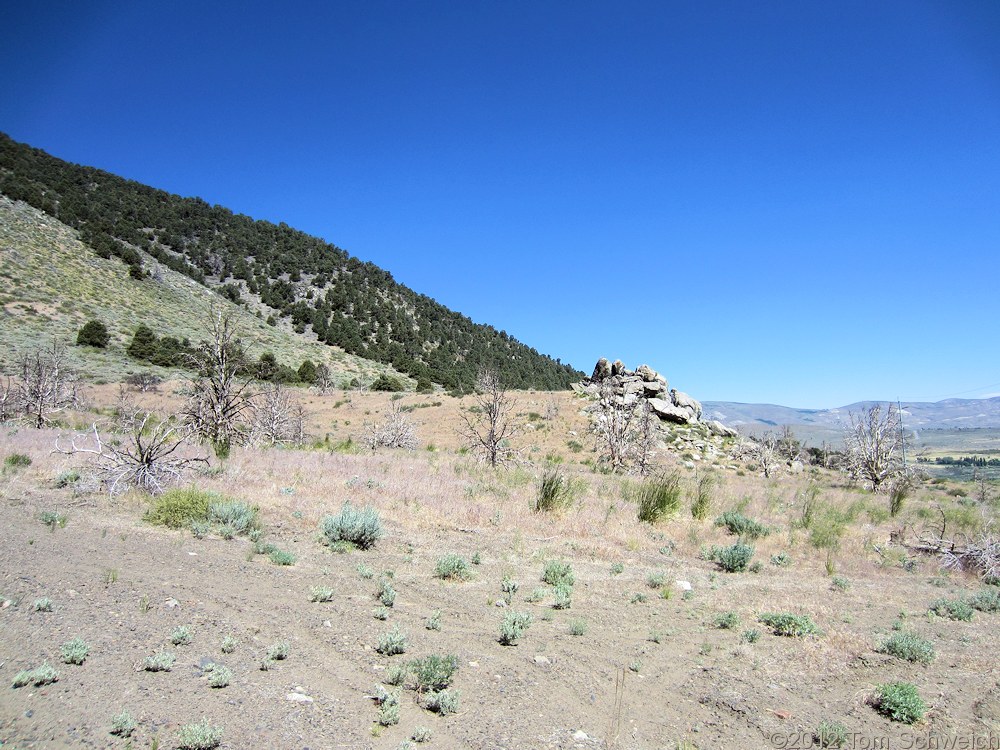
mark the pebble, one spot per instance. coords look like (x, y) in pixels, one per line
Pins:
(327, 624)
(539, 659)
(299, 698)
(171, 603)
(683, 585)
(580, 736)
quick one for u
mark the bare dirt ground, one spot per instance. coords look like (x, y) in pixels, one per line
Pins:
(647, 672)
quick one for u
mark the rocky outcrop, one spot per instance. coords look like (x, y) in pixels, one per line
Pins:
(642, 383)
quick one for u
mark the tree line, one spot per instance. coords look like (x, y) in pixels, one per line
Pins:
(309, 282)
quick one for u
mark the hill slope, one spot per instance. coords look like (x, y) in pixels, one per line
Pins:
(52, 284)
(317, 286)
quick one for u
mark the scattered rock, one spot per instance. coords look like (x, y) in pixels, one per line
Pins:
(299, 698)
(683, 585)
(171, 603)
(539, 659)
(580, 736)
(602, 370)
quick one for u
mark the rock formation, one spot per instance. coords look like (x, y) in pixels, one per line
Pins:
(669, 404)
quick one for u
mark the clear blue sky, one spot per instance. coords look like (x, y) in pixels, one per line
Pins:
(791, 202)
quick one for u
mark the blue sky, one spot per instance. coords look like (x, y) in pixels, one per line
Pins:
(789, 202)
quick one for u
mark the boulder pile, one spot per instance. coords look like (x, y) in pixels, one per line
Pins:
(613, 380)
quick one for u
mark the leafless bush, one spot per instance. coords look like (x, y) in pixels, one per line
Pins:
(981, 556)
(8, 399)
(275, 418)
(144, 382)
(764, 450)
(395, 431)
(874, 445)
(144, 457)
(324, 380)
(44, 385)
(221, 398)
(625, 430)
(489, 426)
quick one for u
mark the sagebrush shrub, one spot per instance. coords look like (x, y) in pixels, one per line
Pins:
(392, 643)
(385, 593)
(360, 527)
(278, 650)
(219, 677)
(434, 672)
(281, 557)
(123, 725)
(443, 702)
(181, 635)
(320, 594)
(200, 736)
(742, 526)
(233, 517)
(563, 596)
(74, 651)
(734, 559)
(987, 600)
(43, 604)
(556, 572)
(727, 621)
(513, 626)
(161, 661)
(451, 567)
(831, 734)
(17, 461)
(577, 627)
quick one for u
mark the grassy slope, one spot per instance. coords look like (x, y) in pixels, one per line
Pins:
(52, 284)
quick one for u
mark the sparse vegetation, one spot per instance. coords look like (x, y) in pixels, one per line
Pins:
(41, 675)
(734, 559)
(123, 725)
(558, 572)
(953, 609)
(161, 661)
(320, 594)
(181, 636)
(742, 526)
(392, 643)
(434, 672)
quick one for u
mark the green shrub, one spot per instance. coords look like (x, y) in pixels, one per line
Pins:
(451, 567)
(52, 519)
(17, 461)
(617, 569)
(509, 587)
(908, 646)
(513, 626)
(840, 583)
(42, 605)
(658, 499)
(781, 560)
(727, 621)
(987, 600)
(179, 507)
(577, 627)
(536, 595)
(43, 674)
(831, 734)
(123, 725)
(66, 478)
(229, 644)
(900, 702)
(554, 492)
(421, 734)
(953, 609)
(392, 643)
(388, 703)
(434, 621)
(359, 527)
(556, 572)
(733, 559)
(742, 526)
(93, 333)
(751, 635)
(281, 557)
(656, 580)
(74, 651)
(200, 736)
(785, 623)
(397, 674)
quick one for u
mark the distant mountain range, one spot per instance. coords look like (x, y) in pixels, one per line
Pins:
(951, 414)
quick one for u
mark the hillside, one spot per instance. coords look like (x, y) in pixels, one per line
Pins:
(318, 288)
(53, 284)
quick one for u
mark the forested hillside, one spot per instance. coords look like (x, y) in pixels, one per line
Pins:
(316, 285)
